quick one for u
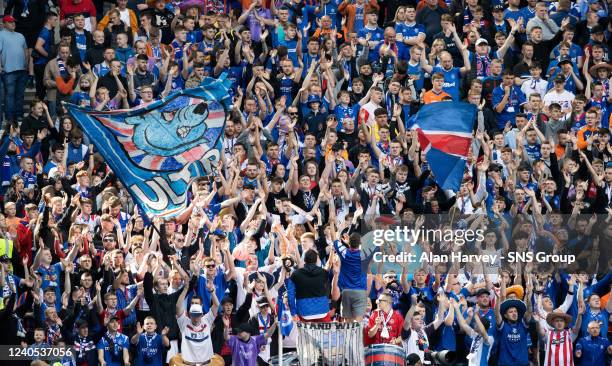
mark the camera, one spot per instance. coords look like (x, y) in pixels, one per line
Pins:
(443, 358)
(288, 263)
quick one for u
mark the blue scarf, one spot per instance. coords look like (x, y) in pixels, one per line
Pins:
(61, 66)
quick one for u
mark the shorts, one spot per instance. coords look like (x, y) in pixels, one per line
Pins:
(353, 303)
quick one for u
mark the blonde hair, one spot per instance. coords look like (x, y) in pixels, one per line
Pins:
(438, 41)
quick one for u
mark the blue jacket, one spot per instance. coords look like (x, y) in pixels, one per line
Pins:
(593, 350)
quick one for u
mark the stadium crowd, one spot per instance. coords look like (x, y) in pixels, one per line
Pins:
(318, 151)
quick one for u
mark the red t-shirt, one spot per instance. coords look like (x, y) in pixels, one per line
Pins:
(120, 314)
(85, 7)
(394, 327)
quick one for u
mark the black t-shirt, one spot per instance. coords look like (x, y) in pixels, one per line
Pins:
(306, 200)
(108, 81)
(241, 210)
(271, 201)
(451, 47)
(350, 138)
(163, 20)
(31, 123)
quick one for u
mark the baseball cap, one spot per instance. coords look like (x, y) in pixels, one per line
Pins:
(498, 8)
(8, 18)
(219, 233)
(559, 79)
(262, 302)
(196, 309)
(481, 40)
(564, 60)
(243, 327)
(482, 291)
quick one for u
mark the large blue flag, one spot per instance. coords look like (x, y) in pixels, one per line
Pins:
(156, 151)
(445, 135)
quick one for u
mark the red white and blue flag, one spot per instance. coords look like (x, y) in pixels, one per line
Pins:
(445, 135)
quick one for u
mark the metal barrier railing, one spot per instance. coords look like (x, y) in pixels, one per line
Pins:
(330, 344)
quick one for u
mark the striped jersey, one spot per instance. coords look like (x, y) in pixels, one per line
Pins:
(559, 350)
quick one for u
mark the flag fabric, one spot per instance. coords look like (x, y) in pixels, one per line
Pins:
(445, 135)
(156, 151)
(285, 319)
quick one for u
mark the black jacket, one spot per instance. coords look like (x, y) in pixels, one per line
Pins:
(217, 335)
(95, 54)
(254, 324)
(89, 43)
(163, 307)
(310, 281)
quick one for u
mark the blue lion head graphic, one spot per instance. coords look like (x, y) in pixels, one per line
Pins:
(167, 138)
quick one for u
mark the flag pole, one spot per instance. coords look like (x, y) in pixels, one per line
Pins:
(280, 345)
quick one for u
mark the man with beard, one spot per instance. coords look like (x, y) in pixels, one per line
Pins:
(513, 331)
(140, 76)
(286, 83)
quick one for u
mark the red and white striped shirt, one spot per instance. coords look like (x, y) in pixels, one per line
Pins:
(559, 350)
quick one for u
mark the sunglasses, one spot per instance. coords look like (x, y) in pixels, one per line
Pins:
(210, 266)
(293, 113)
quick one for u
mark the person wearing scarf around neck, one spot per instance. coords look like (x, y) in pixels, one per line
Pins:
(113, 347)
(59, 69)
(84, 346)
(149, 344)
(385, 325)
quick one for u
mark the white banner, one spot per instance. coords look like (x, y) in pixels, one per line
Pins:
(330, 344)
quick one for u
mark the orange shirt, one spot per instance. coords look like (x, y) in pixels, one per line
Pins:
(433, 97)
(604, 302)
(559, 151)
(583, 134)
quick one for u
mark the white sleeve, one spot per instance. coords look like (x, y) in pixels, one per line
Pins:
(543, 323)
(182, 321)
(569, 299)
(209, 318)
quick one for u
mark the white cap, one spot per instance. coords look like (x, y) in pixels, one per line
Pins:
(481, 40)
(196, 309)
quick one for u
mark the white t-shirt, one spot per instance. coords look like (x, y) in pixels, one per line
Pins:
(125, 17)
(564, 99)
(196, 345)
